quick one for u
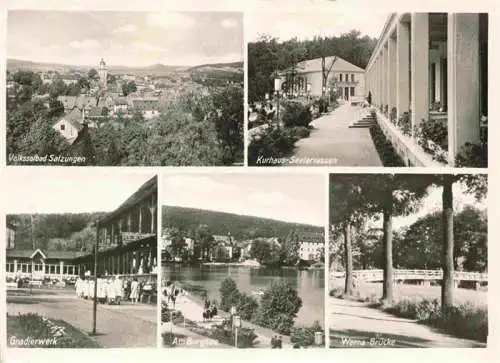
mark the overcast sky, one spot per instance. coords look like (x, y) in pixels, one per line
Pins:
(125, 38)
(67, 191)
(289, 198)
(306, 25)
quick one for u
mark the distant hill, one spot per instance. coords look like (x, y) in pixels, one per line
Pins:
(240, 226)
(228, 67)
(155, 69)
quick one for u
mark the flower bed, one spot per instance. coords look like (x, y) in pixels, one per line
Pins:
(36, 331)
(432, 136)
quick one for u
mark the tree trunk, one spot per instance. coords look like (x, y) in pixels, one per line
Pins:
(348, 259)
(448, 242)
(388, 286)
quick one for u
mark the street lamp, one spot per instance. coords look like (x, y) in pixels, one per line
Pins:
(94, 309)
(277, 88)
(236, 325)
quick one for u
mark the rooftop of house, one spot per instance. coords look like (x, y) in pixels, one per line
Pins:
(144, 191)
(74, 118)
(46, 254)
(339, 65)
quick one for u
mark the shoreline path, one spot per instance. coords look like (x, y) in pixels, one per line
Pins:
(192, 310)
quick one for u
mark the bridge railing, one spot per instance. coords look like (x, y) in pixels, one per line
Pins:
(399, 274)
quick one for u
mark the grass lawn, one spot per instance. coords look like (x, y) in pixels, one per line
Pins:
(23, 326)
(373, 291)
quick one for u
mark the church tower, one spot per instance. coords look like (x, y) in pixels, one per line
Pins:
(103, 74)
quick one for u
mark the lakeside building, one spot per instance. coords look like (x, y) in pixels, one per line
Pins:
(431, 66)
(127, 245)
(311, 251)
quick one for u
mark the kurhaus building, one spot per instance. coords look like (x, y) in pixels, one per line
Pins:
(431, 66)
(345, 77)
(127, 245)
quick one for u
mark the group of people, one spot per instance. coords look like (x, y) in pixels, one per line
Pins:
(210, 310)
(170, 293)
(110, 289)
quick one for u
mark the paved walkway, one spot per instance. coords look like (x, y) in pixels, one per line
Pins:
(126, 325)
(192, 310)
(333, 139)
(354, 324)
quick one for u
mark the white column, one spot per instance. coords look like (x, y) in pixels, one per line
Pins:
(463, 81)
(15, 265)
(437, 89)
(419, 67)
(403, 67)
(392, 72)
(61, 270)
(387, 60)
(383, 76)
(379, 80)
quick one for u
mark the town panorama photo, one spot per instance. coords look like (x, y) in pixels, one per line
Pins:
(124, 88)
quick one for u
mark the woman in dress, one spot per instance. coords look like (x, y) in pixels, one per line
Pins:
(134, 290)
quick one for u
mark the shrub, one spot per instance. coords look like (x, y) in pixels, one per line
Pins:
(225, 334)
(322, 105)
(393, 115)
(473, 155)
(247, 306)
(301, 132)
(465, 321)
(168, 315)
(229, 294)
(296, 114)
(172, 340)
(304, 336)
(276, 143)
(435, 131)
(384, 148)
(278, 307)
(404, 123)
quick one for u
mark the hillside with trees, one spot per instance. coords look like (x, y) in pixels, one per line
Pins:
(62, 232)
(241, 227)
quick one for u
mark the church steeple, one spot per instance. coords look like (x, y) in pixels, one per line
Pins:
(103, 74)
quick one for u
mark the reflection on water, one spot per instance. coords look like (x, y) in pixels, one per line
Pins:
(309, 284)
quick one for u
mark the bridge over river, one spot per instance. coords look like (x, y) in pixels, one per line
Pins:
(423, 276)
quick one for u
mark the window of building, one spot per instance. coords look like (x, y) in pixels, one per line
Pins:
(340, 79)
(346, 77)
(352, 91)
(63, 127)
(352, 77)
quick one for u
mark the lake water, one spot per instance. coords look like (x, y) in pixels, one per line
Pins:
(309, 284)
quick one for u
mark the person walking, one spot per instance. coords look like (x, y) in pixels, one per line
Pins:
(134, 290)
(117, 285)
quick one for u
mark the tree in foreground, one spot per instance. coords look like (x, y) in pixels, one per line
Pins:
(279, 307)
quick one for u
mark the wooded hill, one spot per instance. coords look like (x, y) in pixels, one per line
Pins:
(63, 232)
(241, 227)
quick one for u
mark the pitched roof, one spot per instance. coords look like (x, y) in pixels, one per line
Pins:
(145, 190)
(56, 255)
(339, 65)
(74, 118)
(69, 102)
